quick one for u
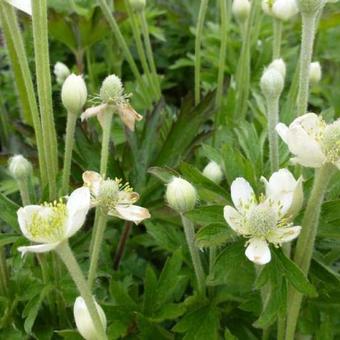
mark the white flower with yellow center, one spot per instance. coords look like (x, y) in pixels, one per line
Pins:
(266, 220)
(312, 141)
(51, 224)
(115, 198)
(280, 9)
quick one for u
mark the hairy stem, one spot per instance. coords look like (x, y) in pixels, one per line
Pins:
(273, 120)
(104, 156)
(277, 38)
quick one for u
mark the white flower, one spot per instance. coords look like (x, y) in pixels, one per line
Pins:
(74, 93)
(241, 9)
(280, 9)
(22, 5)
(315, 72)
(312, 141)
(51, 224)
(214, 172)
(84, 321)
(61, 72)
(116, 199)
(264, 221)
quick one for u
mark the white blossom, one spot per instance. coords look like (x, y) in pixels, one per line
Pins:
(280, 9)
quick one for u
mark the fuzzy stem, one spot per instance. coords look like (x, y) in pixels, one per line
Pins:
(221, 61)
(195, 256)
(273, 120)
(198, 43)
(69, 142)
(19, 61)
(277, 38)
(306, 240)
(24, 190)
(66, 255)
(104, 156)
(42, 63)
(97, 243)
(308, 35)
(4, 277)
(122, 244)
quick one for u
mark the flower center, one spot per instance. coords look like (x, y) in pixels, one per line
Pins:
(262, 219)
(331, 142)
(108, 193)
(48, 224)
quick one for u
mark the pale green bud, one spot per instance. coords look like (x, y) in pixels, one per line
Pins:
(241, 9)
(112, 89)
(61, 72)
(271, 83)
(280, 66)
(214, 172)
(181, 195)
(74, 93)
(315, 72)
(138, 5)
(19, 167)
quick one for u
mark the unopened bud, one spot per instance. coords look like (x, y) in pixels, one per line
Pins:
(84, 321)
(241, 9)
(61, 72)
(138, 5)
(74, 93)
(280, 66)
(271, 83)
(181, 195)
(214, 172)
(19, 167)
(315, 72)
(112, 89)
(280, 9)
(310, 7)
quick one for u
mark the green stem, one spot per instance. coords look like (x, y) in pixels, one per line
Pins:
(122, 244)
(97, 243)
(104, 157)
(221, 60)
(198, 43)
(308, 35)
(273, 120)
(281, 327)
(149, 53)
(195, 256)
(24, 191)
(277, 38)
(19, 62)
(306, 240)
(66, 255)
(69, 142)
(4, 276)
(42, 63)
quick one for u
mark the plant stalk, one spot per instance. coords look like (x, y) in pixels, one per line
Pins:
(277, 38)
(122, 244)
(273, 120)
(104, 156)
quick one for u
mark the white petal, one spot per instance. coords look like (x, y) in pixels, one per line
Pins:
(310, 122)
(234, 219)
(282, 235)
(282, 130)
(92, 179)
(78, 205)
(38, 248)
(93, 111)
(131, 213)
(258, 251)
(23, 5)
(242, 194)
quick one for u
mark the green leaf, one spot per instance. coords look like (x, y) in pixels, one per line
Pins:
(164, 174)
(207, 215)
(150, 287)
(169, 311)
(6, 239)
(213, 235)
(8, 212)
(294, 274)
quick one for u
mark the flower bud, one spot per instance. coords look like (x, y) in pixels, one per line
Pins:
(241, 9)
(310, 6)
(84, 321)
(280, 9)
(74, 93)
(181, 195)
(112, 89)
(61, 72)
(138, 5)
(315, 72)
(19, 167)
(280, 66)
(214, 172)
(271, 83)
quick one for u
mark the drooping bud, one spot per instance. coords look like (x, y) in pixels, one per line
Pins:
(280, 66)
(181, 195)
(138, 5)
(280, 9)
(84, 321)
(74, 93)
(19, 167)
(111, 90)
(272, 83)
(315, 72)
(241, 9)
(310, 7)
(214, 172)
(61, 72)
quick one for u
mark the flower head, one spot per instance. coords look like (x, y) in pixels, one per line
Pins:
(61, 72)
(267, 219)
(241, 9)
(19, 167)
(115, 198)
(312, 141)
(214, 172)
(84, 321)
(315, 72)
(51, 224)
(280, 9)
